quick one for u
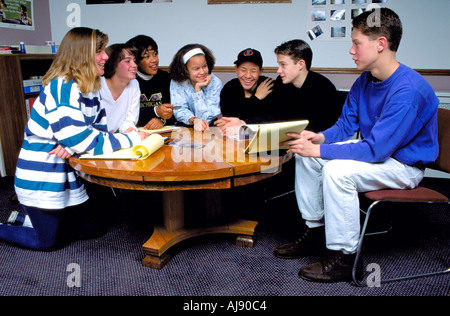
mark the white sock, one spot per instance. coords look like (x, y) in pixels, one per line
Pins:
(314, 224)
(27, 222)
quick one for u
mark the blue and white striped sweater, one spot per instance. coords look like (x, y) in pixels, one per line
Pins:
(62, 115)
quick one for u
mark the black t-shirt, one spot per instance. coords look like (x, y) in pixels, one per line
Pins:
(233, 103)
(316, 101)
(154, 92)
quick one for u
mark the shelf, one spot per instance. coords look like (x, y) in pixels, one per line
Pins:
(32, 95)
(13, 112)
(36, 57)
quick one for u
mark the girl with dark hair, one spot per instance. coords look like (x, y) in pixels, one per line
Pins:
(120, 90)
(23, 16)
(194, 89)
(2, 11)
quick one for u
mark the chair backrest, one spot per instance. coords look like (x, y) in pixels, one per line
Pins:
(443, 160)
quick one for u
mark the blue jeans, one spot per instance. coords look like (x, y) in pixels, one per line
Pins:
(52, 229)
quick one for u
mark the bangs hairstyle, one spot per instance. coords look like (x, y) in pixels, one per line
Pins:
(142, 43)
(389, 26)
(75, 59)
(297, 50)
(178, 69)
(116, 54)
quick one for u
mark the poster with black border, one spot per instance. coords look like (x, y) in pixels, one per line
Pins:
(17, 14)
(124, 1)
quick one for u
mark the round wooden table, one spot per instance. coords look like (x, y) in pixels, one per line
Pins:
(189, 161)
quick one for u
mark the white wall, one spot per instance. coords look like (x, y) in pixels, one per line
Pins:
(227, 29)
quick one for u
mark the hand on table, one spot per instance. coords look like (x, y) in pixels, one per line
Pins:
(200, 125)
(154, 123)
(229, 126)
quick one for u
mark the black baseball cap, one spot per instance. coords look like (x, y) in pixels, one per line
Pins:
(249, 54)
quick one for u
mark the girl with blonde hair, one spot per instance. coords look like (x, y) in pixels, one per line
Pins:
(67, 118)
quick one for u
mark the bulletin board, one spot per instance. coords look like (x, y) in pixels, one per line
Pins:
(331, 20)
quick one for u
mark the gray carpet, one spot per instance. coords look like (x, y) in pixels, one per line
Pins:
(213, 266)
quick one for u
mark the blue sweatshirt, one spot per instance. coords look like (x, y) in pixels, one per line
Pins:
(397, 118)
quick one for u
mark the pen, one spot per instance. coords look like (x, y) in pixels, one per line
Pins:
(217, 117)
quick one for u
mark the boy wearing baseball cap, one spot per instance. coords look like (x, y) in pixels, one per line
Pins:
(244, 100)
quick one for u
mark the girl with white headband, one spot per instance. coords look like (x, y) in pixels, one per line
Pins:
(194, 89)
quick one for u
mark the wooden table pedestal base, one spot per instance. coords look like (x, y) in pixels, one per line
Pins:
(156, 248)
(174, 232)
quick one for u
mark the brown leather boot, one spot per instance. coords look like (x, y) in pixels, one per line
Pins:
(312, 242)
(337, 267)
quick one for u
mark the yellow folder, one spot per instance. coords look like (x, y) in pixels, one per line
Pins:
(269, 136)
(142, 151)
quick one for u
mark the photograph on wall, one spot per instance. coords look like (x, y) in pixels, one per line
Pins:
(331, 20)
(17, 14)
(124, 1)
(315, 32)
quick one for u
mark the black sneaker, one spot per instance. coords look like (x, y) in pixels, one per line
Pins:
(312, 242)
(16, 218)
(337, 267)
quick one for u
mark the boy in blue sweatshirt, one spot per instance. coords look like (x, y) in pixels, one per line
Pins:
(395, 110)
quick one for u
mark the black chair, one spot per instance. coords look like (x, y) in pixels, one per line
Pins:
(417, 195)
